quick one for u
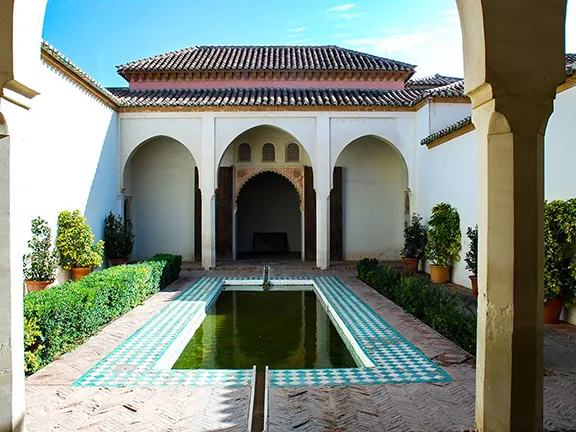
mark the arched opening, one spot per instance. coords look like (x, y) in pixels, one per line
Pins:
(234, 237)
(268, 218)
(159, 193)
(374, 183)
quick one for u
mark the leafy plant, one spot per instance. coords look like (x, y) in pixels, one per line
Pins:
(75, 242)
(472, 254)
(559, 248)
(365, 266)
(444, 235)
(415, 238)
(118, 237)
(40, 264)
(435, 305)
(59, 319)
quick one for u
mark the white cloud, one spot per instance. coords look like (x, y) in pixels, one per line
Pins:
(571, 27)
(342, 8)
(297, 30)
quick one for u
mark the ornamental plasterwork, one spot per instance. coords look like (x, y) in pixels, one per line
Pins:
(293, 175)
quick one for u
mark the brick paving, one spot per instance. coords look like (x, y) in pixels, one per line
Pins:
(53, 404)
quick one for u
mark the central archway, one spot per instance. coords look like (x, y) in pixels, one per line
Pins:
(268, 218)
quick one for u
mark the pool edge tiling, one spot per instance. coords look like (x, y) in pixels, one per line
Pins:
(134, 361)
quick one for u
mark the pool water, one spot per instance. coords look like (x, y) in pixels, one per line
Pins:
(279, 329)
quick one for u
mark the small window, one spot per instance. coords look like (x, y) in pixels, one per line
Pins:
(268, 153)
(292, 153)
(244, 153)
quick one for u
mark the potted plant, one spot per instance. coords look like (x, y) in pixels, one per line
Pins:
(472, 258)
(559, 267)
(75, 244)
(414, 244)
(118, 239)
(444, 239)
(40, 264)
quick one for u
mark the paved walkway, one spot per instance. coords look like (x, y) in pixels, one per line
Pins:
(53, 404)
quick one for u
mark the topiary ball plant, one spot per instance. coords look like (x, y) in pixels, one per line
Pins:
(40, 264)
(75, 242)
(118, 237)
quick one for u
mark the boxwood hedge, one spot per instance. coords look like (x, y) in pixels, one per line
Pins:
(60, 318)
(435, 305)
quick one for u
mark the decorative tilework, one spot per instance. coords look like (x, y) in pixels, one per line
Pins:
(397, 360)
(132, 363)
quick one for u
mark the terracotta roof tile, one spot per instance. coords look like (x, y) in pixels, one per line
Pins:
(265, 97)
(431, 81)
(460, 124)
(570, 63)
(456, 89)
(283, 57)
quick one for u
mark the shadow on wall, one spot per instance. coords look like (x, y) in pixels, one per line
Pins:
(103, 193)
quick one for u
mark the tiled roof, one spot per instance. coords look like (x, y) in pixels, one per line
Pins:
(455, 89)
(447, 130)
(265, 97)
(277, 58)
(431, 81)
(66, 62)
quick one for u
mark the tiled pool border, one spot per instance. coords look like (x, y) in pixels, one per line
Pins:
(142, 359)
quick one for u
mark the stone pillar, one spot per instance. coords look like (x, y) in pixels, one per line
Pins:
(511, 101)
(322, 185)
(207, 170)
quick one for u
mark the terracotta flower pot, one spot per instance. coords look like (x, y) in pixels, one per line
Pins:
(80, 272)
(552, 311)
(474, 280)
(439, 274)
(37, 286)
(118, 261)
(410, 265)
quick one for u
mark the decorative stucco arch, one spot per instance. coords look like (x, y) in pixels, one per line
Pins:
(294, 175)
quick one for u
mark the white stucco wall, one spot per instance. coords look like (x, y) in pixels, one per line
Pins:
(374, 182)
(162, 194)
(268, 203)
(442, 115)
(64, 157)
(448, 173)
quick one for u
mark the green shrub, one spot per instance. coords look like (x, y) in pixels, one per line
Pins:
(40, 264)
(559, 251)
(415, 238)
(365, 266)
(444, 236)
(62, 317)
(472, 254)
(434, 305)
(75, 242)
(118, 237)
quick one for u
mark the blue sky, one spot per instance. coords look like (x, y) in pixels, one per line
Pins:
(97, 35)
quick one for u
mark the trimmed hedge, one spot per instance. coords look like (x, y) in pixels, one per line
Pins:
(434, 305)
(60, 318)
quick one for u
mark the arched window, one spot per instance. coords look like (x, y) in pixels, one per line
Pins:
(268, 153)
(292, 153)
(244, 153)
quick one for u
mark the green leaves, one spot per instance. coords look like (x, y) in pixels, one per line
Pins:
(118, 237)
(40, 264)
(444, 236)
(559, 247)
(58, 319)
(472, 254)
(415, 238)
(74, 242)
(435, 305)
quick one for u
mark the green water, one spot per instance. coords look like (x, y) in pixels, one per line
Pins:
(281, 329)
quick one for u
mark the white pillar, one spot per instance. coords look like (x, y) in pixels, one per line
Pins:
(207, 172)
(322, 185)
(11, 315)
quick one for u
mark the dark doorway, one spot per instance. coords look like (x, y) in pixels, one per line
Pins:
(268, 219)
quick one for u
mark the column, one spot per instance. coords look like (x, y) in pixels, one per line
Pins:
(207, 171)
(323, 185)
(511, 102)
